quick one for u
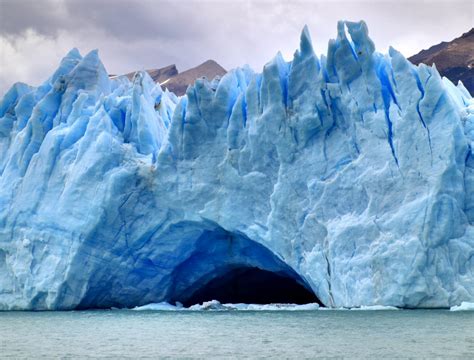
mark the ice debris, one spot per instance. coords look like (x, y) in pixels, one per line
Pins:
(465, 306)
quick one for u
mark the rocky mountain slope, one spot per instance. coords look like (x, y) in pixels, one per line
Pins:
(453, 59)
(177, 82)
(158, 75)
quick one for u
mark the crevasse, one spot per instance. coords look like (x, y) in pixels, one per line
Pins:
(353, 172)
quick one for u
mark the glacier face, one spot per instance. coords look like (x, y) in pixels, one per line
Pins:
(353, 171)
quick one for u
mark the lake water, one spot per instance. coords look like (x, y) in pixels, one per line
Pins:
(237, 334)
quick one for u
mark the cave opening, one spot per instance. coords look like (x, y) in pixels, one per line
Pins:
(194, 262)
(252, 285)
(232, 268)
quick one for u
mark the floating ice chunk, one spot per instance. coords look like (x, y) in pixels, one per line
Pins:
(376, 307)
(215, 305)
(274, 307)
(465, 306)
(162, 306)
(211, 305)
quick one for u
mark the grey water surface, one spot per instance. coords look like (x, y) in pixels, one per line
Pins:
(237, 334)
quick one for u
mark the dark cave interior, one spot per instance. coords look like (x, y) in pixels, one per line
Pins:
(253, 286)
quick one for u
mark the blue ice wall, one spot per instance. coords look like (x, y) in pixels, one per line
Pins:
(354, 170)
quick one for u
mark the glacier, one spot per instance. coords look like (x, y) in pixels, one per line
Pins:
(352, 173)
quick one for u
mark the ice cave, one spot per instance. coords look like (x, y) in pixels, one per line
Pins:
(224, 266)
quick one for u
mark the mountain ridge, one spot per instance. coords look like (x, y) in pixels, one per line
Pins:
(170, 78)
(453, 59)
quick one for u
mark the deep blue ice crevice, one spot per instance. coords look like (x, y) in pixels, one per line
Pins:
(388, 96)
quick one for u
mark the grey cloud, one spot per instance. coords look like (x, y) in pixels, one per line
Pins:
(126, 20)
(43, 16)
(137, 20)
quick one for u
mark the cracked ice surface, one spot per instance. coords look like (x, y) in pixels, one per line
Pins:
(354, 170)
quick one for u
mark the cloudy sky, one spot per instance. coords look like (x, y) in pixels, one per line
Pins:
(142, 34)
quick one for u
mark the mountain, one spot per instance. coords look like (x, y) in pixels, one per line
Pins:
(180, 82)
(349, 177)
(454, 59)
(176, 82)
(159, 75)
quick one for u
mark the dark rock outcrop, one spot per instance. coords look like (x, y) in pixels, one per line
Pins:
(177, 82)
(454, 59)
